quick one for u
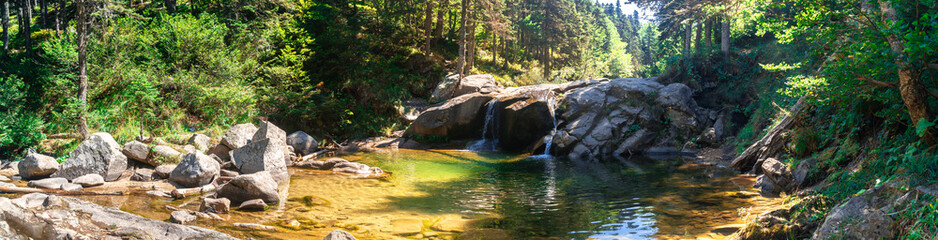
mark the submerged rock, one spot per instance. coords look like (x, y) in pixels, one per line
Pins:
(246, 187)
(99, 154)
(253, 205)
(36, 166)
(215, 205)
(339, 235)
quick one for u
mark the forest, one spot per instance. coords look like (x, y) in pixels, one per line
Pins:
(850, 85)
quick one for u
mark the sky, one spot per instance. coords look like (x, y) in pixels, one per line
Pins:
(629, 8)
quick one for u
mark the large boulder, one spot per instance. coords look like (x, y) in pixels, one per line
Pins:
(244, 187)
(99, 154)
(302, 143)
(36, 166)
(869, 215)
(268, 130)
(523, 120)
(137, 151)
(195, 169)
(239, 135)
(624, 116)
(262, 155)
(447, 89)
(457, 118)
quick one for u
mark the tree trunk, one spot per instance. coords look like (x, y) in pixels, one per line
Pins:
(58, 17)
(6, 24)
(471, 50)
(170, 6)
(699, 40)
(708, 35)
(43, 12)
(428, 25)
(725, 37)
(438, 30)
(688, 34)
(83, 28)
(462, 42)
(494, 49)
(25, 24)
(910, 82)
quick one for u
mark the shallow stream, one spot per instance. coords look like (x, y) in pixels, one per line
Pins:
(445, 194)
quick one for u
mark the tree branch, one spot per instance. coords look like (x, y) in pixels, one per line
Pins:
(933, 66)
(933, 93)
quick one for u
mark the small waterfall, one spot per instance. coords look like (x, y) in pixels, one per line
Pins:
(487, 144)
(551, 106)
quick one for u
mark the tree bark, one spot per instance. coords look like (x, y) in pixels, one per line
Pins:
(709, 33)
(688, 34)
(699, 39)
(462, 42)
(170, 6)
(494, 49)
(6, 24)
(83, 28)
(428, 25)
(26, 12)
(43, 12)
(438, 29)
(910, 82)
(725, 37)
(471, 50)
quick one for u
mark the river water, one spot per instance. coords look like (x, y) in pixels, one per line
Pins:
(495, 196)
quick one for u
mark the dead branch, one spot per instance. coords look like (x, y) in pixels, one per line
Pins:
(55, 192)
(933, 93)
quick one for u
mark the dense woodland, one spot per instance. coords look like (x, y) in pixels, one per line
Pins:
(341, 69)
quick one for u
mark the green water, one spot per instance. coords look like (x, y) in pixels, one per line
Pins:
(548, 197)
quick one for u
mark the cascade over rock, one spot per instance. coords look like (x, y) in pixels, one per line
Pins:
(585, 119)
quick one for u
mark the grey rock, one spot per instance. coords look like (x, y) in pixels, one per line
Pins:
(253, 205)
(36, 166)
(339, 235)
(189, 149)
(262, 155)
(200, 141)
(137, 151)
(779, 176)
(254, 227)
(142, 175)
(181, 217)
(245, 187)
(238, 136)
(7, 185)
(302, 143)
(48, 183)
(267, 130)
(481, 83)
(71, 187)
(865, 216)
(196, 169)
(228, 173)
(215, 205)
(221, 151)
(163, 171)
(99, 154)
(804, 172)
(458, 118)
(70, 216)
(356, 168)
(164, 154)
(89, 180)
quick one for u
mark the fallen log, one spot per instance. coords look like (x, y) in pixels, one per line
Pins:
(185, 192)
(55, 191)
(770, 143)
